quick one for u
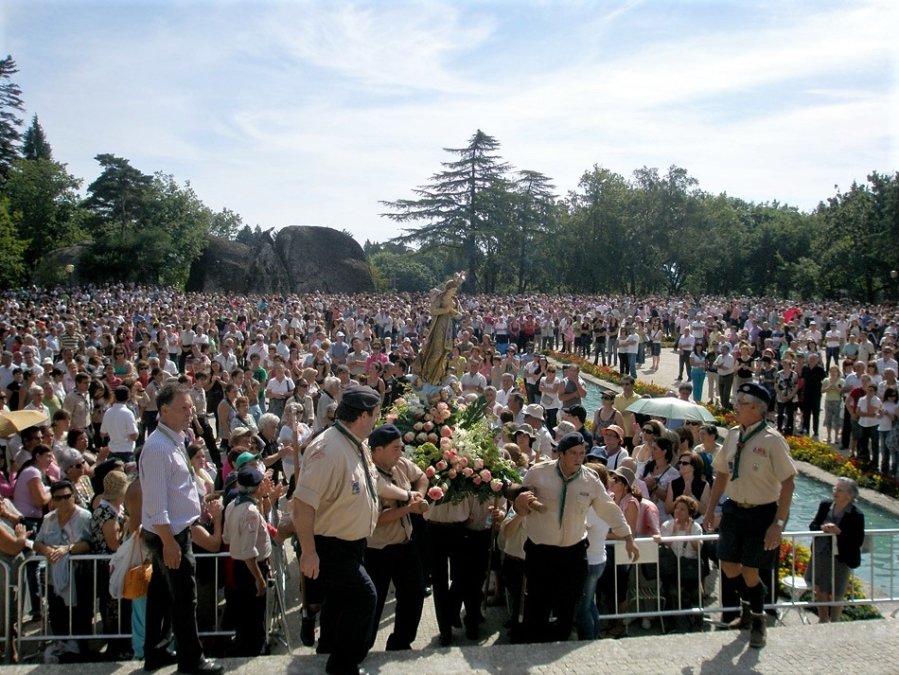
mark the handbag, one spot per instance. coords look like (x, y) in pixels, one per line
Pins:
(137, 578)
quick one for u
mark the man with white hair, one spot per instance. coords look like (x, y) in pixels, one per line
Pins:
(754, 471)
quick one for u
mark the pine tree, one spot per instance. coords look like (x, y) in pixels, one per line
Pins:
(34, 142)
(10, 107)
(457, 203)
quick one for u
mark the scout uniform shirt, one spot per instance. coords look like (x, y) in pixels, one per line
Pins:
(765, 463)
(403, 475)
(338, 479)
(563, 523)
(245, 531)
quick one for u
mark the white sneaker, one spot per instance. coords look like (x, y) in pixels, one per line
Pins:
(646, 624)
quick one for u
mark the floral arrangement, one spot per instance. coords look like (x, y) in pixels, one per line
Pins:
(794, 559)
(455, 447)
(825, 457)
(607, 374)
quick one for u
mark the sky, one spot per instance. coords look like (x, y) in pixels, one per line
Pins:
(311, 113)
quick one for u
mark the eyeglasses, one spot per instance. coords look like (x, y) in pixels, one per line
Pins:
(687, 463)
(692, 424)
(649, 431)
(59, 498)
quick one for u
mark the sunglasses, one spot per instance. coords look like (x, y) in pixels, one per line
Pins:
(59, 498)
(686, 463)
(649, 431)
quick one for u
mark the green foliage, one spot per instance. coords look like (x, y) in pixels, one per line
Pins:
(226, 224)
(43, 199)
(402, 274)
(10, 108)
(12, 249)
(34, 142)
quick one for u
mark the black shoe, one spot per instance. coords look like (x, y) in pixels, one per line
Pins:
(446, 639)
(159, 660)
(307, 631)
(473, 631)
(457, 621)
(203, 667)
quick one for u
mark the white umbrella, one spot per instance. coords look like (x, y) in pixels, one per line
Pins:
(672, 408)
(16, 421)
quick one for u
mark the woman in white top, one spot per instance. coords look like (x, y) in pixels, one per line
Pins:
(597, 530)
(297, 434)
(550, 388)
(868, 413)
(888, 462)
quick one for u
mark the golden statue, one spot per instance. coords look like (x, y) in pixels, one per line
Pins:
(430, 364)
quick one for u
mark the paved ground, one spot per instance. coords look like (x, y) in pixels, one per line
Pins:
(833, 648)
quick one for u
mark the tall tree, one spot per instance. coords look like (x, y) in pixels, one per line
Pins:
(226, 224)
(34, 142)
(44, 201)
(535, 217)
(12, 266)
(455, 204)
(10, 108)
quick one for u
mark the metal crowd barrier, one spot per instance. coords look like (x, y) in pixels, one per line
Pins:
(97, 631)
(6, 620)
(653, 594)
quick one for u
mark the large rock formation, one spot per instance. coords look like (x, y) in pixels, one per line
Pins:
(298, 259)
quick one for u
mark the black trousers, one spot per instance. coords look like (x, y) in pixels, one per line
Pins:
(475, 560)
(249, 628)
(350, 600)
(446, 562)
(401, 564)
(786, 415)
(811, 411)
(557, 595)
(172, 603)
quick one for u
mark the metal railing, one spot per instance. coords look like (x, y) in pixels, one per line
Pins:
(93, 576)
(657, 588)
(7, 617)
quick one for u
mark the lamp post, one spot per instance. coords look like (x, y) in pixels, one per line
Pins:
(70, 271)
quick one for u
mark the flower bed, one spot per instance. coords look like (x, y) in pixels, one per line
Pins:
(793, 559)
(825, 457)
(607, 374)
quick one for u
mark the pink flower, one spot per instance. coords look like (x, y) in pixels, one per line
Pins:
(446, 432)
(430, 472)
(463, 461)
(476, 480)
(418, 426)
(442, 406)
(428, 426)
(496, 485)
(445, 445)
(428, 418)
(452, 474)
(441, 465)
(408, 437)
(435, 494)
(400, 401)
(468, 472)
(485, 475)
(391, 417)
(433, 411)
(478, 464)
(422, 437)
(433, 437)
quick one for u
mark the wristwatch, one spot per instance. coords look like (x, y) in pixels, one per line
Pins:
(780, 522)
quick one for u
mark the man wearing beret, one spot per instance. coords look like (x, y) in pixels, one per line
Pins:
(391, 555)
(557, 536)
(754, 471)
(335, 510)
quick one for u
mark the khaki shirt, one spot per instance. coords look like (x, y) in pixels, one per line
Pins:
(332, 481)
(403, 475)
(79, 407)
(245, 532)
(447, 514)
(584, 492)
(480, 511)
(620, 404)
(764, 464)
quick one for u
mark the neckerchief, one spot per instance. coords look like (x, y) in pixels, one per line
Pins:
(358, 445)
(565, 482)
(741, 443)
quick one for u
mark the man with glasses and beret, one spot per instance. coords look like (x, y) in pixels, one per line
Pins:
(754, 471)
(557, 536)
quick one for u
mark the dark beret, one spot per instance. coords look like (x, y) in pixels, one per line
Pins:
(360, 397)
(568, 441)
(383, 435)
(249, 476)
(756, 391)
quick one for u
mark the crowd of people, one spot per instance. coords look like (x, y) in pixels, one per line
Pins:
(192, 421)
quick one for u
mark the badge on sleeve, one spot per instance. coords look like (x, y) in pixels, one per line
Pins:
(356, 487)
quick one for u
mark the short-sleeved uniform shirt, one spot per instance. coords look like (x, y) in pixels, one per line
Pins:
(764, 464)
(333, 482)
(403, 475)
(245, 531)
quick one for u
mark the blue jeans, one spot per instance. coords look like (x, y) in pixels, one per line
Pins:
(698, 377)
(632, 365)
(587, 611)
